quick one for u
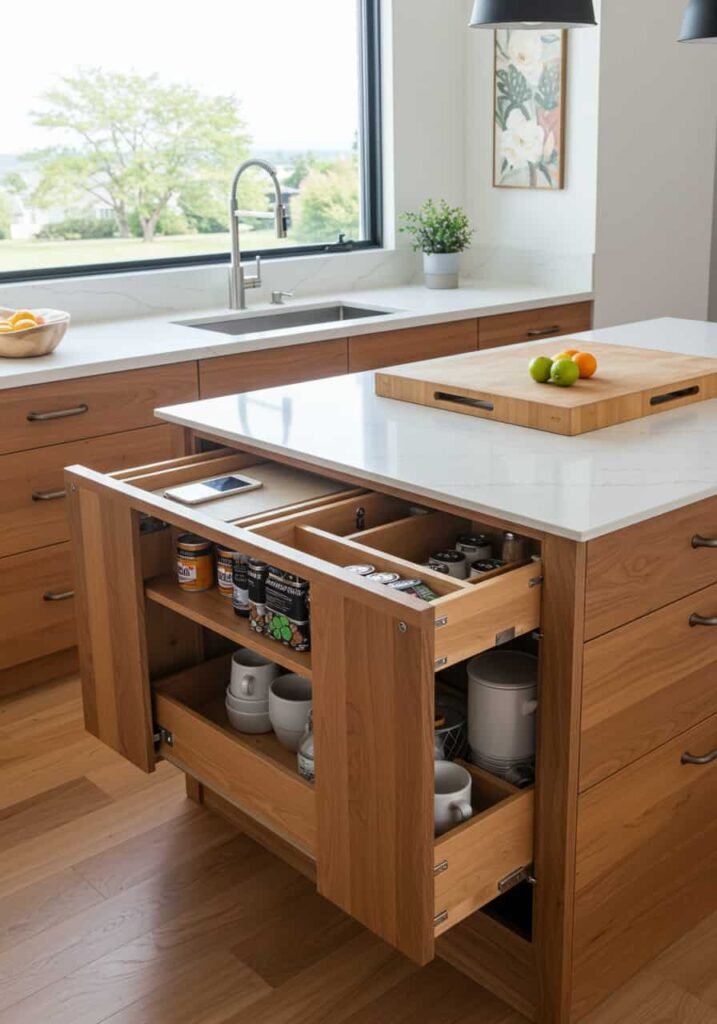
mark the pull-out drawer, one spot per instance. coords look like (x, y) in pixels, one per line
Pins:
(67, 410)
(534, 324)
(643, 567)
(390, 348)
(37, 607)
(230, 375)
(33, 511)
(647, 682)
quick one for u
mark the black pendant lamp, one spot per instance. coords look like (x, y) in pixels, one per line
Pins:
(537, 14)
(699, 24)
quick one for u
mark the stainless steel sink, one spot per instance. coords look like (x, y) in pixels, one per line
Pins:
(243, 324)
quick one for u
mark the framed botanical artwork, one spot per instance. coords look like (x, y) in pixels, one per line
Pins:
(529, 139)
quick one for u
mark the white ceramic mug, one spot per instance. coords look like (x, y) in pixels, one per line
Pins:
(252, 674)
(452, 796)
(289, 707)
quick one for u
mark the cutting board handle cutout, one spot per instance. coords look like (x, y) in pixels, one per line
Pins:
(673, 396)
(474, 403)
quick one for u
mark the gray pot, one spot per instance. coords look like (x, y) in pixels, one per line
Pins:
(441, 269)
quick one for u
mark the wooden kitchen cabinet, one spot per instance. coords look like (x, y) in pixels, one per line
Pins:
(268, 368)
(535, 324)
(389, 348)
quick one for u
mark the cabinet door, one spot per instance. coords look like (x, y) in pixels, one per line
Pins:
(390, 348)
(534, 324)
(229, 375)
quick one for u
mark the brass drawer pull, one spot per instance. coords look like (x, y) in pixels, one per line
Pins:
(702, 620)
(543, 332)
(57, 414)
(704, 542)
(705, 759)
(58, 595)
(48, 495)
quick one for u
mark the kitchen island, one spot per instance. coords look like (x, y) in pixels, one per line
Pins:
(551, 896)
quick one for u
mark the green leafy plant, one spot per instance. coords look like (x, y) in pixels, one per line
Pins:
(438, 228)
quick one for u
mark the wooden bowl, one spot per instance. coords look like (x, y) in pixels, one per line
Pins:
(34, 341)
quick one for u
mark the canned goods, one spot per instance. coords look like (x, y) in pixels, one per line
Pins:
(287, 610)
(386, 578)
(257, 573)
(225, 570)
(195, 563)
(455, 561)
(416, 588)
(475, 546)
(443, 569)
(361, 570)
(482, 568)
(240, 587)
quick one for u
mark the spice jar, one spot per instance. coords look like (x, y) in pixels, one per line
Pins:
(515, 548)
(195, 563)
(225, 571)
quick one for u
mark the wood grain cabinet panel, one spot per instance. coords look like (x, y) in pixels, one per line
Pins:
(68, 410)
(639, 569)
(389, 348)
(646, 869)
(230, 375)
(33, 506)
(32, 623)
(534, 324)
(645, 683)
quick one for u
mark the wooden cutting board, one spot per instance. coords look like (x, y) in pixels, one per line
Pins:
(495, 385)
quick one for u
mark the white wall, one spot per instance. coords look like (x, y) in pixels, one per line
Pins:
(658, 112)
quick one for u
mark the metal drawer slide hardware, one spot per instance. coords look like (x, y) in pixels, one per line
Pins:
(440, 918)
(440, 867)
(162, 735)
(443, 621)
(510, 881)
(440, 662)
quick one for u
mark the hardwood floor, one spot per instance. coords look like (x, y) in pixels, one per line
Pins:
(121, 901)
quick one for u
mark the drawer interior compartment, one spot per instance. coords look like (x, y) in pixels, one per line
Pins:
(487, 855)
(255, 773)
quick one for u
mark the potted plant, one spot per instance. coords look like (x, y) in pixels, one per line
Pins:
(441, 232)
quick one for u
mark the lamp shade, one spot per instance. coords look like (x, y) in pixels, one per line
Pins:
(700, 22)
(532, 14)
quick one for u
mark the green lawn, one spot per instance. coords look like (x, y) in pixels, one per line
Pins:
(38, 255)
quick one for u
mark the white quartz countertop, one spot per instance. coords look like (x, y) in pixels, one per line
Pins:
(574, 487)
(107, 347)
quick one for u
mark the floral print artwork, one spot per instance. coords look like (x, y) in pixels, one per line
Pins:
(529, 107)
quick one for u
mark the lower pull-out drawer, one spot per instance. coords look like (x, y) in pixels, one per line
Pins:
(37, 608)
(534, 324)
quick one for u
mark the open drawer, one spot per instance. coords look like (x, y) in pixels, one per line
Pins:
(154, 670)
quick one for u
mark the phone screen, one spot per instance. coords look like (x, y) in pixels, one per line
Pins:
(227, 483)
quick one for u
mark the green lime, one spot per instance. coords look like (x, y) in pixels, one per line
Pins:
(540, 368)
(564, 373)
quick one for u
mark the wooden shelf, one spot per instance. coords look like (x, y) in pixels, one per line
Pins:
(210, 609)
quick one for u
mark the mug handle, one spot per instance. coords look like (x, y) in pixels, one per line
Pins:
(529, 708)
(247, 686)
(461, 811)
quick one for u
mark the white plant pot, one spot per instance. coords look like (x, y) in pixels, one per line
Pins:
(441, 269)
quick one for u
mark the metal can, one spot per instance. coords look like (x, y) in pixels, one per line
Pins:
(386, 578)
(482, 568)
(475, 546)
(240, 585)
(195, 563)
(225, 570)
(456, 562)
(415, 588)
(361, 570)
(257, 573)
(443, 569)
(287, 610)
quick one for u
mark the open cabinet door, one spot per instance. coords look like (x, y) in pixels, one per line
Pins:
(373, 731)
(104, 534)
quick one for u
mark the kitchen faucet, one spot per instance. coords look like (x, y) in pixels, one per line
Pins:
(238, 280)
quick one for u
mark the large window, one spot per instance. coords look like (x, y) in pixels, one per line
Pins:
(121, 132)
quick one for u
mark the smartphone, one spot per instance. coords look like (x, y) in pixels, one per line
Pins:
(210, 490)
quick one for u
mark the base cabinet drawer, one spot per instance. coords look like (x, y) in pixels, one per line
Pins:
(646, 862)
(230, 375)
(534, 324)
(33, 510)
(68, 410)
(37, 608)
(390, 348)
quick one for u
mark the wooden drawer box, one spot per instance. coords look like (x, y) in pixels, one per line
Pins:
(37, 609)
(90, 406)
(229, 375)
(646, 863)
(33, 510)
(643, 567)
(534, 324)
(390, 348)
(645, 683)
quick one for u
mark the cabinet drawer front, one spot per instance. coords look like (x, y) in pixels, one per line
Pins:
(646, 862)
(33, 511)
(645, 683)
(88, 407)
(534, 324)
(36, 616)
(390, 348)
(230, 375)
(639, 569)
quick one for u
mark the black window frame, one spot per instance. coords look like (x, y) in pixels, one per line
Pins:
(371, 154)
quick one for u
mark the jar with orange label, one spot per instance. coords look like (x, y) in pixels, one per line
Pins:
(195, 563)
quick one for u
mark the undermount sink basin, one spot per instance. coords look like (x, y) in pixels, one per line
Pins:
(243, 324)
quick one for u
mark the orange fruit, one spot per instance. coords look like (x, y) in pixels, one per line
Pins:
(22, 314)
(587, 363)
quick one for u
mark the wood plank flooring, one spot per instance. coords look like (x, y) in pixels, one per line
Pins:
(121, 901)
